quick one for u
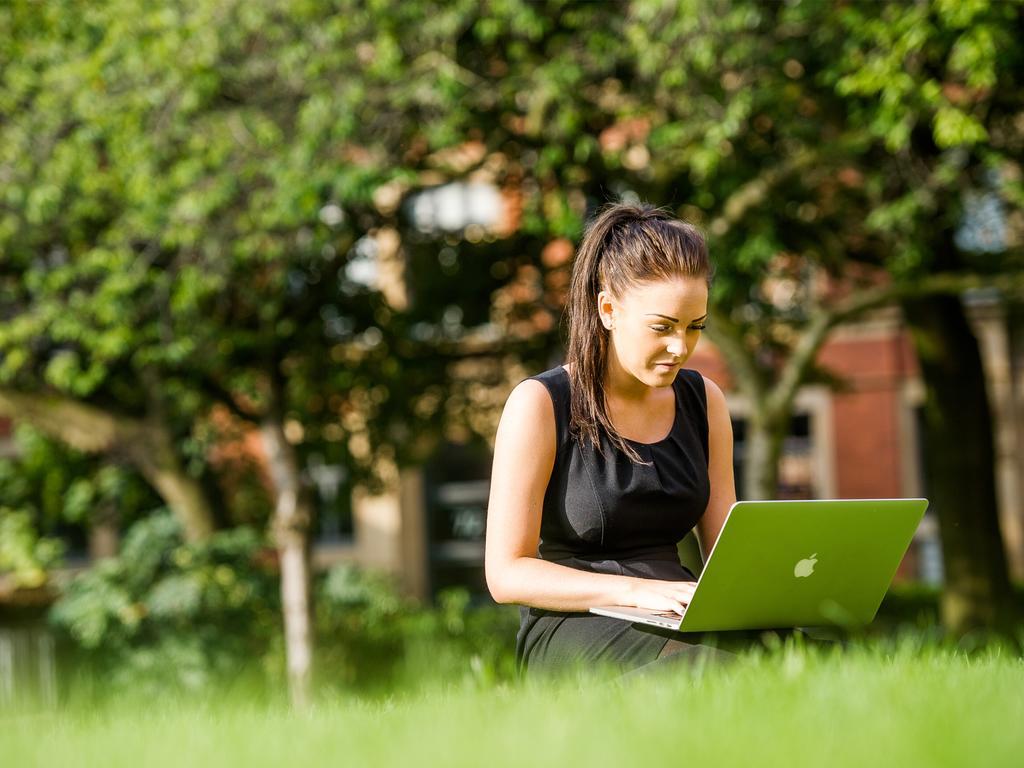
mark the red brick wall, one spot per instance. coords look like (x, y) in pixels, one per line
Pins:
(866, 416)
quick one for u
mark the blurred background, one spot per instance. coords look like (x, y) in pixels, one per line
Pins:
(268, 271)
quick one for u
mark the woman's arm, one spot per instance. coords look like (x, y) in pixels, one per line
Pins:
(524, 455)
(720, 473)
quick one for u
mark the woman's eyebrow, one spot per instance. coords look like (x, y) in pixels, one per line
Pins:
(674, 320)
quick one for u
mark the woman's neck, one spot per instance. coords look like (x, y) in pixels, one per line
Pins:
(623, 387)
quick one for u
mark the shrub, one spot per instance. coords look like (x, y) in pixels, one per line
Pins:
(166, 615)
(25, 554)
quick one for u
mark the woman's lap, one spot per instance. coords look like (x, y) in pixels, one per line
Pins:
(587, 641)
(567, 643)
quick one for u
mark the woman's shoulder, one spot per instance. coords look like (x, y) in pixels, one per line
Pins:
(530, 413)
(555, 381)
(537, 393)
(700, 388)
(543, 396)
(558, 372)
(702, 392)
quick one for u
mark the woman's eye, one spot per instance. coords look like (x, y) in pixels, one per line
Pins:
(663, 328)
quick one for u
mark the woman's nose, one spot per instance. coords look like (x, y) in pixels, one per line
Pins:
(675, 347)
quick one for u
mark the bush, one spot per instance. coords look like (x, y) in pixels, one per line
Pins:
(166, 617)
(169, 616)
(25, 554)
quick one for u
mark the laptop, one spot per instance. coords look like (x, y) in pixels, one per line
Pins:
(781, 564)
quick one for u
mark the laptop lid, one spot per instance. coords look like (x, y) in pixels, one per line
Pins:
(802, 563)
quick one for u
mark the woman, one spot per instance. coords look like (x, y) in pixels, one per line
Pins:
(602, 465)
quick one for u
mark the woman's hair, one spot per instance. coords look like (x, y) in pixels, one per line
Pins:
(623, 245)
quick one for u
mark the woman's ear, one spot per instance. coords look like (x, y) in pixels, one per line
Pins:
(606, 309)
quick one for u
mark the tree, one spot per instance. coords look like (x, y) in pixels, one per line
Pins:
(183, 192)
(867, 121)
(939, 84)
(186, 195)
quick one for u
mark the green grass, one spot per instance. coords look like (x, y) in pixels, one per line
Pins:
(902, 703)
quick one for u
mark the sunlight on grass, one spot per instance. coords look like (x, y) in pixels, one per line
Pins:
(895, 703)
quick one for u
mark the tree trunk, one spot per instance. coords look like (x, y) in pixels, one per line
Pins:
(291, 525)
(764, 439)
(1015, 328)
(960, 466)
(152, 450)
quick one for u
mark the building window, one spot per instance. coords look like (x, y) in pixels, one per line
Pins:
(332, 497)
(457, 485)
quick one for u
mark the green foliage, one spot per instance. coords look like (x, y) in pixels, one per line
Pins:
(167, 617)
(51, 496)
(458, 643)
(166, 173)
(63, 489)
(164, 615)
(370, 638)
(23, 552)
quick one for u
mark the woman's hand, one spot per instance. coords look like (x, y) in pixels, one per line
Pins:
(657, 595)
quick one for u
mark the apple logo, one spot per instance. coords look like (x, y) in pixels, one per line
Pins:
(805, 567)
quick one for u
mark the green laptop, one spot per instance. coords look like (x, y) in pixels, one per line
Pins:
(780, 564)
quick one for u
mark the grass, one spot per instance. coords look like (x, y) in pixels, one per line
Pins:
(902, 702)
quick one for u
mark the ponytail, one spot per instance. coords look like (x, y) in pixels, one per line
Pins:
(624, 244)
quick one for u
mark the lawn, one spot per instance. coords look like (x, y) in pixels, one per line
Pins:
(902, 702)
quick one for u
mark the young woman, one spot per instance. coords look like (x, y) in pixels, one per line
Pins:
(602, 465)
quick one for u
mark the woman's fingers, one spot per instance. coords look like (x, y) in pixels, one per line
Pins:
(686, 597)
(680, 595)
(666, 595)
(686, 593)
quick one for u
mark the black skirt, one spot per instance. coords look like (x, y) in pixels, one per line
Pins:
(560, 642)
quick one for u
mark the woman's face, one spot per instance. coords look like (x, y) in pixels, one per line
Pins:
(655, 326)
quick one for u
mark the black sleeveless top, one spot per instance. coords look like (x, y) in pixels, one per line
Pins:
(610, 515)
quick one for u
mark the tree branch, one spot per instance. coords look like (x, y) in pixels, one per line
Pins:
(81, 426)
(938, 283)
(146, 443)
(823, 321)
(756, 191)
